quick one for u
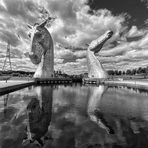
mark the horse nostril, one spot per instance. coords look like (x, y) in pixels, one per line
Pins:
(110, 33)
(31, 53)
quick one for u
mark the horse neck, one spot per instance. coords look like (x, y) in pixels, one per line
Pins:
(93, 60)
(98, 46)
(48, 57)
(95, 68)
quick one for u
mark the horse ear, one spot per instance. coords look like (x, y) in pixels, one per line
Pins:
(43, 24)
(29, 26)
(29, 35)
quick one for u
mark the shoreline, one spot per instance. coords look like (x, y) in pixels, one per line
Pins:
(141, 84)
(13, 85)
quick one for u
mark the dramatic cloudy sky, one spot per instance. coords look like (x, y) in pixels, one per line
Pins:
(78, 23)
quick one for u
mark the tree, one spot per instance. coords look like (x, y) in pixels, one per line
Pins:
(119, 72)
(146, 70)
(128, 72)
(133, 72)
(111, 72)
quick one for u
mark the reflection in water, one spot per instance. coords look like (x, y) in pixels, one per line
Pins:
(93, 108)
(125, 102)
(39, 113)
(125, 111)
(5, 103)
(82, 117)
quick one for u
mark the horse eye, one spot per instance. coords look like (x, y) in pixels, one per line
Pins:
(38, 35)
(29, 35)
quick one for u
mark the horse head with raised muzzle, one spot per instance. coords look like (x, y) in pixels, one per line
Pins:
(95, 68)
(41, 50)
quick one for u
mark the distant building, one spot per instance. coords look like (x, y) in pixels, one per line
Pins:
(85, 75)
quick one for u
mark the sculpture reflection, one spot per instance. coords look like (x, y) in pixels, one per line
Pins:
(120, 111)
(6, 97)
(117, 110)
(39, 113)
(94, 112)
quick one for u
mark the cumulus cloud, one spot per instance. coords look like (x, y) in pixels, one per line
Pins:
(144, 41)
(9, 37)
(73, 28)
(87, 27)
(25, 10)
(134, 32)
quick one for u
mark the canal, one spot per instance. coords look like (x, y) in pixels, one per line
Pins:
(74, 116)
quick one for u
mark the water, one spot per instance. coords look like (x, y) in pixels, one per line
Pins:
(74, 117)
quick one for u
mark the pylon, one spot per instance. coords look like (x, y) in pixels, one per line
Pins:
(7, 61)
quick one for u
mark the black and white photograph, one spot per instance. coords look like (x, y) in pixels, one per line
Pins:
(73, 73)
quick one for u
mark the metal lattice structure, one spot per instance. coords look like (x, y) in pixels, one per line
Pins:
(7, 61)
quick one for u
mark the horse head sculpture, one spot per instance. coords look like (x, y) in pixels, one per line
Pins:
(95, 69)
(42, 53)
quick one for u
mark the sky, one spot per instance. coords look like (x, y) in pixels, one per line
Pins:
(77, 23)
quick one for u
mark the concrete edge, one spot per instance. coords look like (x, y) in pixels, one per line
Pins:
(9, 89)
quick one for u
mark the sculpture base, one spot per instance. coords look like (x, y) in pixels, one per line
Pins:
(45, 70)
(95, 69)
(53, 80)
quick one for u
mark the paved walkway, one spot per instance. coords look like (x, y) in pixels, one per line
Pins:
(11, 85)
(4, 84)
